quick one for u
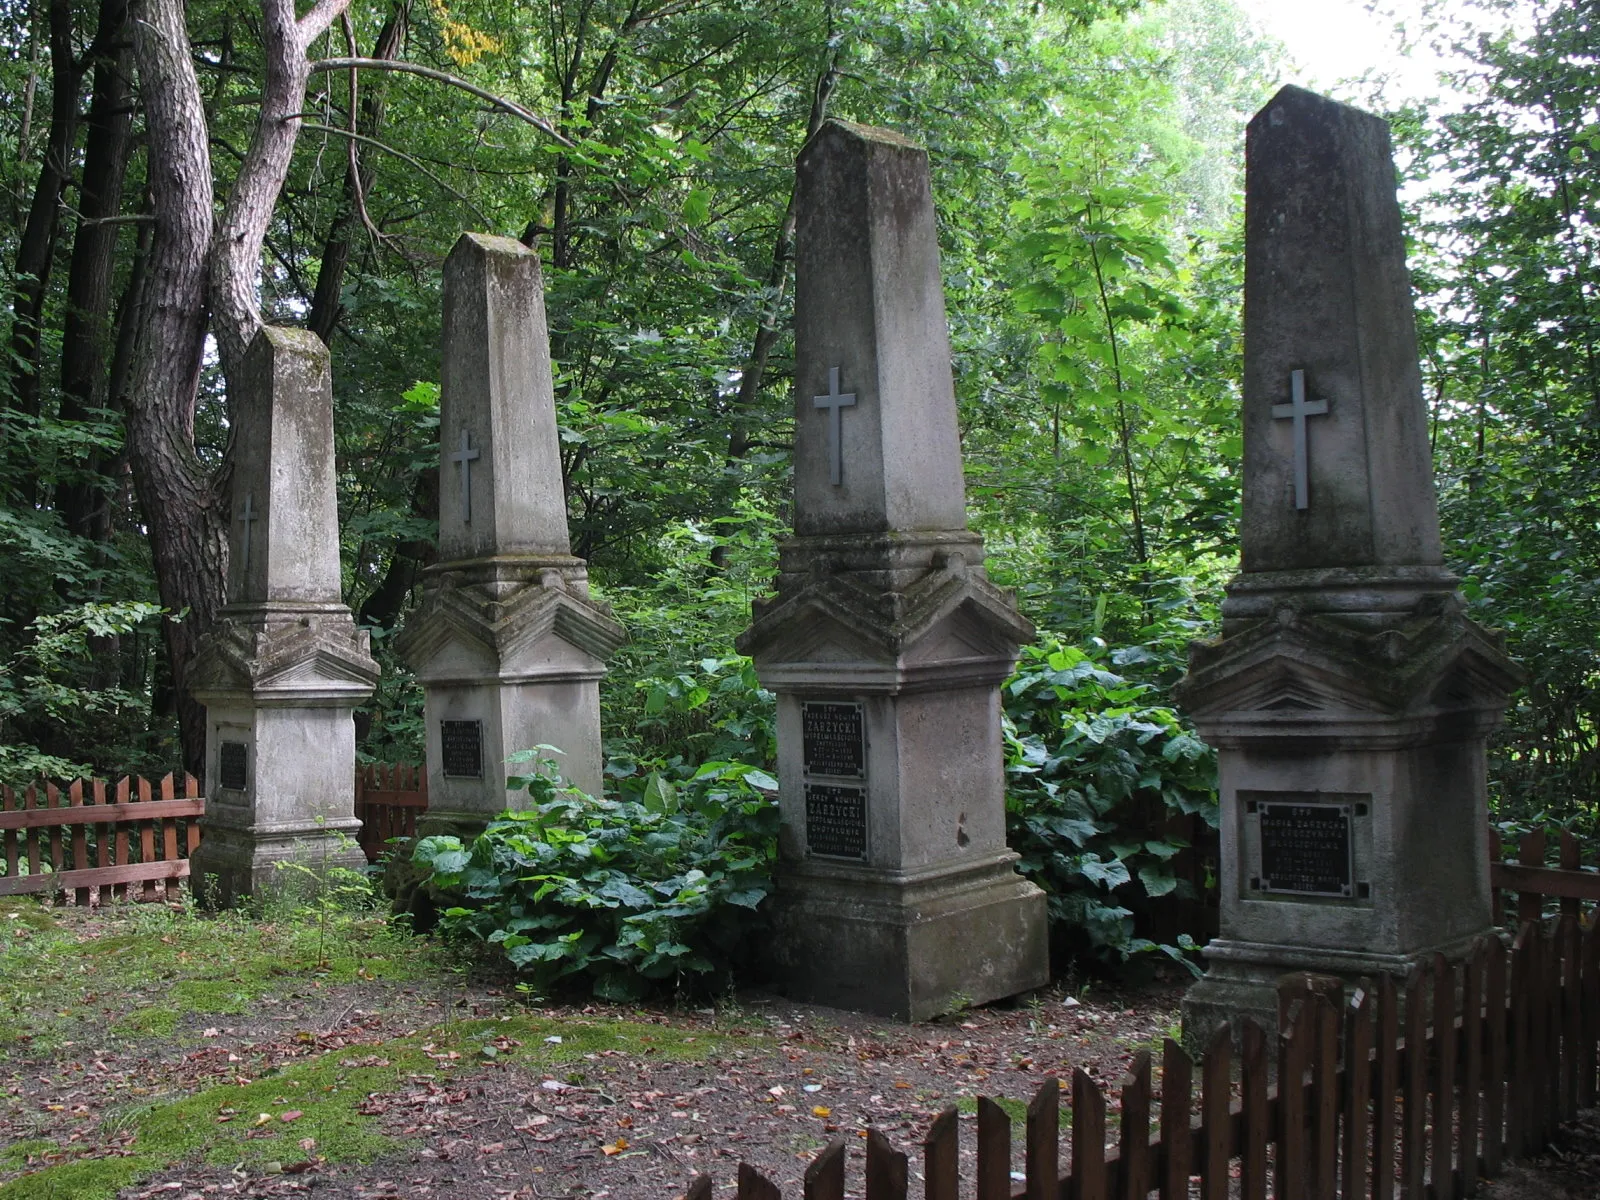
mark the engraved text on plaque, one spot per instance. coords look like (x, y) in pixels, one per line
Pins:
(232, 772)
(836, 820)
(1306, 849)
(461, 749)
(833, 739)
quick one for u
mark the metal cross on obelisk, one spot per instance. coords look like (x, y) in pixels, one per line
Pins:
(833, 402)
(465, 456)
(1298, 409)
(247, 515)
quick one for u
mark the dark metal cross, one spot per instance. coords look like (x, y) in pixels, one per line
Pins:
(466, 456)
(247, 516)
(833, 402)
(1297, 410)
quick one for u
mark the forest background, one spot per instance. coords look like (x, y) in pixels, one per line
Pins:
(173, 175)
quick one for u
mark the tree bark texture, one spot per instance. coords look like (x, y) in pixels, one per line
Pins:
(87, 341)
(179, 499)
(36, 247)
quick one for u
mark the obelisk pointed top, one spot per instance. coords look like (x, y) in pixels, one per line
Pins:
(877, 447)
(500, 489)
(1337, 470)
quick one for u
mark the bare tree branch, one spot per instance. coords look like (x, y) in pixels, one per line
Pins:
(500, 102)
(403, 156)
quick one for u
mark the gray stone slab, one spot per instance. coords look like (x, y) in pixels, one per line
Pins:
(1327, 294)
(885, 641)
(1349, 696)
(283, 670)
(497, 406)
(508, 639)
(870, 322)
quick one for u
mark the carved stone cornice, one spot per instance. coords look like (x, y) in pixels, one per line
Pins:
(293, 654)
(505, 626)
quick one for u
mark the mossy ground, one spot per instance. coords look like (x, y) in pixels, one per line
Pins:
(145, 980)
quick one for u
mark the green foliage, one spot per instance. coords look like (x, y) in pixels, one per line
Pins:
(1505, 262)
(44, 683)
(1095, 769)
(625, 895)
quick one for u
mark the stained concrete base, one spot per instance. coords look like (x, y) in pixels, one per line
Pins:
(909, 945)
(1242, 979)
(260, 862)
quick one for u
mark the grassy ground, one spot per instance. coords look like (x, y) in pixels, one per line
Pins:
(129, 1002)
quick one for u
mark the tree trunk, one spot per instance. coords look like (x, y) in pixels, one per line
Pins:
(36, 248)
(86, 336)
(325, 306)
(181, 510)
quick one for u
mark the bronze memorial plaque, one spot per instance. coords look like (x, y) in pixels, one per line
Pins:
(833, 739)
(836, 820)
(461, 749)
(232, 769)
(1306, 849)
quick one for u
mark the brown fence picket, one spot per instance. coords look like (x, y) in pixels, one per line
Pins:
(1589, 1059)
(1289, 1160)
(1255, 1110)
(1325, 1100)
(1216, 1091)
(886, 1169)
(1136, 1173)
(1088, 1138)
(753, 1185)
(1177, 1093)
(1357, 1093)
(1443, 1098)
(1414, 1107)
(701, 1188)
(1496, 1019)
(1042, 1141)
(1530, 853)
(1571, 1014)
(824, 1177)
(1471, 1065)
(1519, 1055)
(994, 1151)
(941, 1158)
(1386, 1088)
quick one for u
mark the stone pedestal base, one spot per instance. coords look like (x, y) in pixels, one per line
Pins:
(259, 862)
(1242, 979)
(909, 945)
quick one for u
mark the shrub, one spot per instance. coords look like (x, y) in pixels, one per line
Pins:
(1094, 772)
(631, 895)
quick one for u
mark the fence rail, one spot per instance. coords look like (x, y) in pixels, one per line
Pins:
(133, 831)
(389, 799)
(1531, 881)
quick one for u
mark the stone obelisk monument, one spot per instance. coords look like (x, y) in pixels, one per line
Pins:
(286, 666)
(508, 644)
(886, 643)
(1348, 696)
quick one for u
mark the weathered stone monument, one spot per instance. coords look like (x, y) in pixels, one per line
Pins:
(1348, 695)
(886, 643)
(508, 644)
(286, 666)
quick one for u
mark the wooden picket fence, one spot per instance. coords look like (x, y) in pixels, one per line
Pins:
(1521, 887)
(389, 799)
(1414, 1091)
(132, 831)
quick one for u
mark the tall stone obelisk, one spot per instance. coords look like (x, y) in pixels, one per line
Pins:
(886, 643)
(286, 666)
(1349, 697)
(508, 644)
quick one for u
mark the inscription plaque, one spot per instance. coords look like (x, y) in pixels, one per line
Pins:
(232, 770)
(833, 739)
(1306, 849)
(461, 749)
(836, 820)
